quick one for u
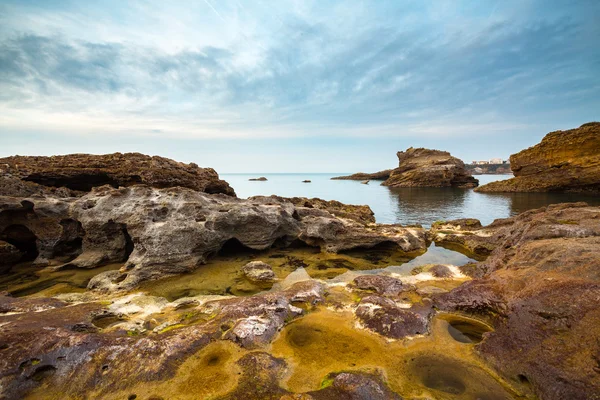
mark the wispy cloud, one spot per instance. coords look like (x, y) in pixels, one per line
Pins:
(296, 69)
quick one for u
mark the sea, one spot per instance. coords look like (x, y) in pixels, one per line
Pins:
(402, 205)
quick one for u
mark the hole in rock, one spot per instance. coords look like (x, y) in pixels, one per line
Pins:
(439, 375)
(129, 246)
(465, 330)
(523, 379)
(83, 182)
(71, 240)
(43, 372)
(234, 247)
(104, 321)
(302, 335)
(23, 239)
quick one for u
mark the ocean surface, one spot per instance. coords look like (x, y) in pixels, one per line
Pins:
(403, 205)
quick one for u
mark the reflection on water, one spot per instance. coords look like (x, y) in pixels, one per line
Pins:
(405, 205)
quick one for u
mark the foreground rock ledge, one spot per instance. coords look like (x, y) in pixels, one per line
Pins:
(564, 161)
(162, 232)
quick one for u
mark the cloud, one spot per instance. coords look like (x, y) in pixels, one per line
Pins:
(300, 69)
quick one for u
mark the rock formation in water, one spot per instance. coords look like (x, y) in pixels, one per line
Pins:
(429, 168)
(422, 168)
(73, 173)
(261, 179)
(539, 287)
(564, 161)
(363, 176)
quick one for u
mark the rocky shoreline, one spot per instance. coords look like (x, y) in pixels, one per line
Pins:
(332, 310)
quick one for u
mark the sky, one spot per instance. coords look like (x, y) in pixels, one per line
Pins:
(294, 85)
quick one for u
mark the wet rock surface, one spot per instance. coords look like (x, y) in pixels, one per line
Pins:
(82, 172)
(564, 161)
(540, 287)
(383, 285)
(258, 271)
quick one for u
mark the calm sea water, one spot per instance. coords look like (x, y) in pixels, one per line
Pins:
(405, 205)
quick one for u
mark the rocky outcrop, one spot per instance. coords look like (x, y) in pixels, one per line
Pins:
(564, 161)
(261, 179)
(358, 213)
(363, 176)
(540, 287)
(429, 168)
(82, 172)
(422, 168)
(161, 232)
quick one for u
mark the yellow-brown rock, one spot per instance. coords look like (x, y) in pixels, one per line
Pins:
(564, 161)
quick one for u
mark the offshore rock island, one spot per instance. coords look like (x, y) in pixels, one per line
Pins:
(129, 276)
(422, 168)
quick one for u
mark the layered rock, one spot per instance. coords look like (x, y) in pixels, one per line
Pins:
(422, 168)
(540, 287)
(82, 172)
(429, 168)
(160, 232)
(564, 161)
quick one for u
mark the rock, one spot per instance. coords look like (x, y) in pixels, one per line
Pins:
(258, 271)
(441, 271)
(564, 161)
(261, 179)
(361, 176)
(365, 182)
(362, 214)
(306, 181)
(381, 284)
(540, 288)
(162, 232)
(355, 386)
(13, 186)
(384, 316)
(9, 255)
(429, 168)
(82, 172)
(46, 334)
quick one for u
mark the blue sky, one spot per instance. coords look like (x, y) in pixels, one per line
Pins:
(294, 86)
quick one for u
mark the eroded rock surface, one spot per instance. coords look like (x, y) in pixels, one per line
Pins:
(564, 161)
(540, 286)
(82, 172)
(161, 232)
